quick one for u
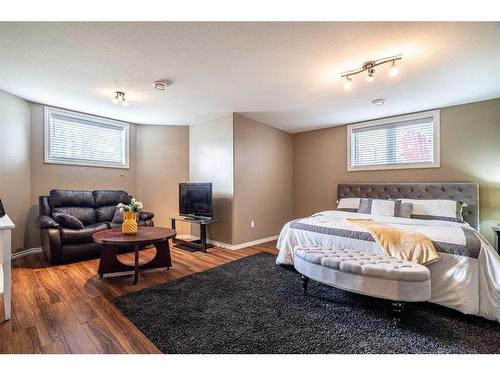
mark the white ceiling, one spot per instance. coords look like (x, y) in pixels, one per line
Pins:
(283, 74)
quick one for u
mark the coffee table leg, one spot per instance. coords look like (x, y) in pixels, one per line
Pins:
(136, 270)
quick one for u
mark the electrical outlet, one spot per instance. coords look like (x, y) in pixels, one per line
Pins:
(252, 224)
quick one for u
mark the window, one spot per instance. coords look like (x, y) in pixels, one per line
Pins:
(78, 139)
(410, 141)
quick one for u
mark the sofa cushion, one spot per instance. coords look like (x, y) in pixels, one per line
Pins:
(78, 236)
(71, 198)
(117, 217)
(67, 221)
(87, 215)
(110, 197)
(105, 213)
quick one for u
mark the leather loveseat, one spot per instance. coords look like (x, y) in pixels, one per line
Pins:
(96, 210)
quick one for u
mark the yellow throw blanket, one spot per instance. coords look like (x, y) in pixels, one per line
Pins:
(399, 243)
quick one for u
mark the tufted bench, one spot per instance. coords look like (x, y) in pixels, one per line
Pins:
(361, 272)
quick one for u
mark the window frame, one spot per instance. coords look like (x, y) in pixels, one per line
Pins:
(435, 114)
(48, 111)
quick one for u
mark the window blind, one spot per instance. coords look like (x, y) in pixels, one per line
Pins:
(408, 142)
(73, 138)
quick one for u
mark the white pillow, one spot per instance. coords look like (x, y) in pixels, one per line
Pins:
(436, 209)
(348, 204)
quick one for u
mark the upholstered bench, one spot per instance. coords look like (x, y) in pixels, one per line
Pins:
(364, 273)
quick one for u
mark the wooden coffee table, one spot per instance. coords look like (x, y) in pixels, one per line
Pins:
(112, 240)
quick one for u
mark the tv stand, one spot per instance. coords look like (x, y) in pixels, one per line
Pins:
(199, 244)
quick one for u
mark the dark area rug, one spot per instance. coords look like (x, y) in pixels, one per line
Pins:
(254, 306)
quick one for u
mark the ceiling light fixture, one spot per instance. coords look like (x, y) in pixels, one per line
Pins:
(371, 75)
(120, 98)
(160, 85)
(393, 72)
(348, 83)
(369, 67)
(378, 101)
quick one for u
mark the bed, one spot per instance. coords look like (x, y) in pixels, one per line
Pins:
(467, 275)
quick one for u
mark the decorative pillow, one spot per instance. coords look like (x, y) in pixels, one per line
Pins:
(404, 210)
(380, 207)
(348, 204)
(67, 221)
(435, 209)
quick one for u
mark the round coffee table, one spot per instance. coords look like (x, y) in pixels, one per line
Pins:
(113, 239)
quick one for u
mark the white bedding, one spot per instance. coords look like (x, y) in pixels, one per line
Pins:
(466, 277)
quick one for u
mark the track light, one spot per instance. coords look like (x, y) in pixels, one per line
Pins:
(348, 83)
(393, 72)
(369, 67)
(371, 75)
(119, 98)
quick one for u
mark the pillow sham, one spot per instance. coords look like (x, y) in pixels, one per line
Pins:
(436, 209)
(67, 221)
(348, 204)
(385, 207)
(380, 207)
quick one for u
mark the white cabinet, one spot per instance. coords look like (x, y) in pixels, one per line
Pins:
(6, 226)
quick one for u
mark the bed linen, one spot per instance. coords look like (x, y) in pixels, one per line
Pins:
(466, 277)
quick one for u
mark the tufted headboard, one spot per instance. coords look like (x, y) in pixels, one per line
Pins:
(465, 192)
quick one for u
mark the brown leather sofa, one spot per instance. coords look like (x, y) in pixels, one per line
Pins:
(95, 210)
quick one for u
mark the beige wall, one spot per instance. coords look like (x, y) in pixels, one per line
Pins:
(15, 163)
(162, 162)
(211, 160)
(262, 179)
(470, 151)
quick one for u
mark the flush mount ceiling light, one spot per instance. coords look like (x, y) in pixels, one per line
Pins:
(380, 101)
(160, 85)
(119, 98)
(369, 67)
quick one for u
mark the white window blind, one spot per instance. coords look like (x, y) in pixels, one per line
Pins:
(78, 139)
(401, 142)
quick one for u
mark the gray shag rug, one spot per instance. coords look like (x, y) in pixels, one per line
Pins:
(254, 306)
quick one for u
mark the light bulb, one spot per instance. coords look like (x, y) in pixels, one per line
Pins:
(124, 102)
(371, 75)
(348, 84)
(394, 70)
(114, 100)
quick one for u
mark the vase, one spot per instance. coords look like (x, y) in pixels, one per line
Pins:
(129, 225)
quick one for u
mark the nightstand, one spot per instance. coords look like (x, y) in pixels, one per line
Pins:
(496, 230)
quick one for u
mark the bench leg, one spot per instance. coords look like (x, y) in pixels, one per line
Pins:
(305, 282)
(398, 308)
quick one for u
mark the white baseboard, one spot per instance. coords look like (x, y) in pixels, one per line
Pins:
(242, 245)
(189, 237)
(23, 253)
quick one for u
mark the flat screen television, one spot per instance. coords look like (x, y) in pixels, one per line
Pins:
(195, 199)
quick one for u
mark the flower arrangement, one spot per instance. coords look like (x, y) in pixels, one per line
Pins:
(129, 226)
(134, 206)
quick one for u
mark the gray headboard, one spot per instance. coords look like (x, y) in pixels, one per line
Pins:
(465, 192)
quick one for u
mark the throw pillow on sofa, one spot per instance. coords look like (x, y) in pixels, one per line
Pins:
(67, 221)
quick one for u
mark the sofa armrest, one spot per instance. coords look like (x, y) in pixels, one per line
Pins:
(46, 222)
(144, 215)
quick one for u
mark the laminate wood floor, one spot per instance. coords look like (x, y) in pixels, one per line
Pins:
(68, 309)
